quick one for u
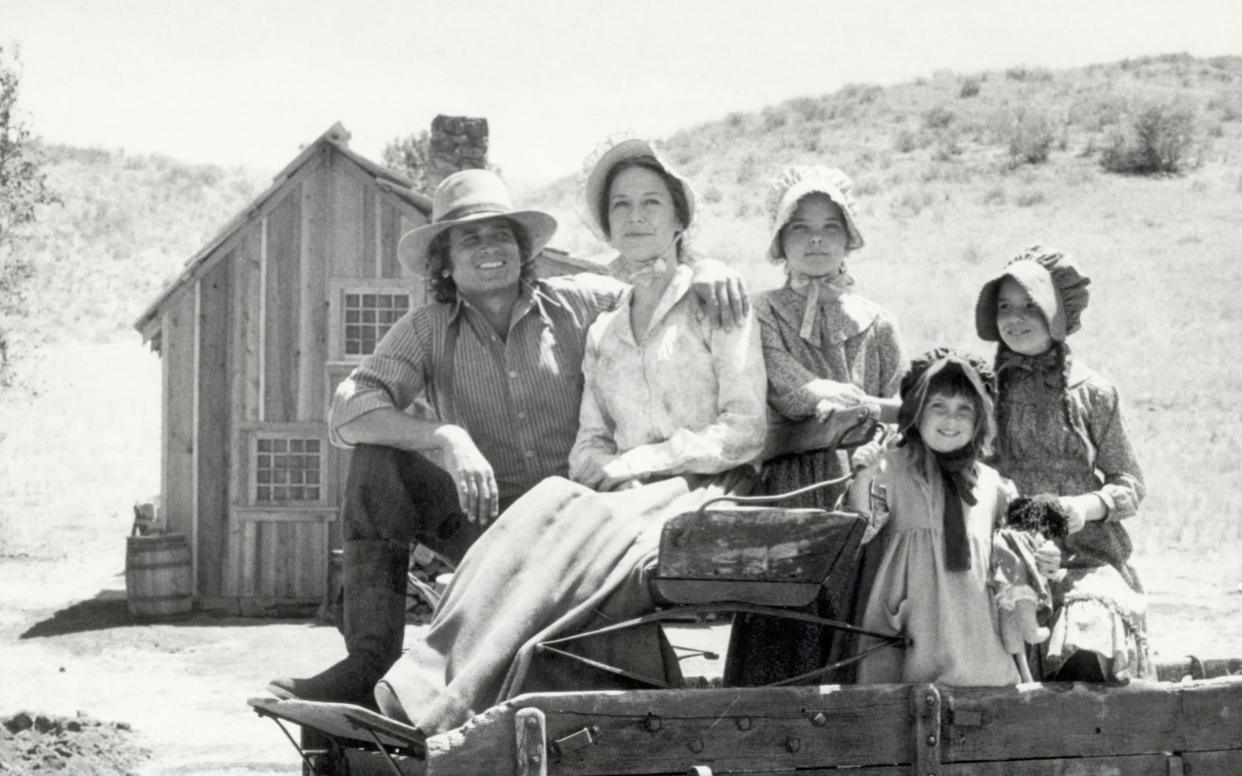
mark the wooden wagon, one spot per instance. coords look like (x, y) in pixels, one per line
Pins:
(1052, 729)
(745, 559)
(1148, 728)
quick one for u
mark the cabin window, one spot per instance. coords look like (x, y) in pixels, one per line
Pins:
(287, 469)
(368, 317)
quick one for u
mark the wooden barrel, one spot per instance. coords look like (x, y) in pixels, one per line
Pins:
(157, 575)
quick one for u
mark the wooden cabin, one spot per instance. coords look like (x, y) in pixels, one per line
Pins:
(254, 336)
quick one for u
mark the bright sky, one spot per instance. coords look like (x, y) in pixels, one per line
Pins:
(245, 82)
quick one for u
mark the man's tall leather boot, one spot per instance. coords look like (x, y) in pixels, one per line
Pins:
(374, 625)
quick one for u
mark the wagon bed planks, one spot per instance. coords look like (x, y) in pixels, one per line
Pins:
(1033, 729)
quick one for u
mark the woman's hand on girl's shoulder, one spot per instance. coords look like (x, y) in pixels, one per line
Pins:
(721, 292)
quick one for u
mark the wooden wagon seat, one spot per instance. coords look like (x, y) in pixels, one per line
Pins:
(744, 560)
(766, 556)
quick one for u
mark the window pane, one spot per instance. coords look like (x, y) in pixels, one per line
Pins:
(285, 476)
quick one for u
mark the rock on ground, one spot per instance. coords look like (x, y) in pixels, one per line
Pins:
(72, 746)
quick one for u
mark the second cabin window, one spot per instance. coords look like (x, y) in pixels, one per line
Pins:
(287, 469)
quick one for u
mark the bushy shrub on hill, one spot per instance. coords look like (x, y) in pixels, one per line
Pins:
(938, 117)
(1030, 136)
(1024, 73)
(1158, 136)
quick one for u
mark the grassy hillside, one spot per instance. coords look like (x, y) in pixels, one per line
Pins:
(944, 204)
(124, 227)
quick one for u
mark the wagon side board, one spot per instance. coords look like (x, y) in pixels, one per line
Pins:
(1032, 730)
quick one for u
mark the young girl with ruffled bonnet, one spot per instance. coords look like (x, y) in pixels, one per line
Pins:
(939, 503)
(826, 347)
(1061, 432)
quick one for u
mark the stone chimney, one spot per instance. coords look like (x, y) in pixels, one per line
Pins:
(457, 143)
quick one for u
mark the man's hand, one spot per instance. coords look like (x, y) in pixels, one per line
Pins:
(721, 292)
(472, 474)
(606, 474)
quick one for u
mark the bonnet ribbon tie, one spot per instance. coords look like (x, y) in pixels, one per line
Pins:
(829, 286)
(954, 469)
(1043, 365)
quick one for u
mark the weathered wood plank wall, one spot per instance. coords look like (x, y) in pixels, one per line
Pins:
(281, 314)
(177, 351)
(348, 237)
(214, 450)
(313, 319)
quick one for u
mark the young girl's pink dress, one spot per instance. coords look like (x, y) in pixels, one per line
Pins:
(949, 615)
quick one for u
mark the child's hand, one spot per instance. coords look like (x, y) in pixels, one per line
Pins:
(1081, 510)
(836, 393)
(1048, 559)
(865, 456)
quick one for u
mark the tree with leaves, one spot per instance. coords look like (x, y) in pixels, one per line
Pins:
(411, 156)
(23, 187)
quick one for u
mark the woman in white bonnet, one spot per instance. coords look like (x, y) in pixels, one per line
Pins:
(827, 348)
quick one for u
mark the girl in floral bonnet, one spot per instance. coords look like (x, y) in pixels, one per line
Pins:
(1061, 432)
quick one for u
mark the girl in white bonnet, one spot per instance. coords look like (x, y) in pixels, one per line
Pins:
(827, 348)
(1061, 432)
(830, 353)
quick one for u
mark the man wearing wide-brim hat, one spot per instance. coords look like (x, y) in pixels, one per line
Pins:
(499, 358)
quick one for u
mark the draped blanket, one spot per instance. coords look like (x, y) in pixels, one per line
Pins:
(560, 558)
